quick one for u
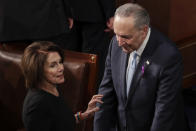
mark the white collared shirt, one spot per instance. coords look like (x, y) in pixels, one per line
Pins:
(139, 51)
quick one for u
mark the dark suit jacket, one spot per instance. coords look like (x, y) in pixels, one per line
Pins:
(154, 102)
(92, 10)
(32, 19)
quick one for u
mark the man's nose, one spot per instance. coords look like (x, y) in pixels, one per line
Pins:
(120, 40)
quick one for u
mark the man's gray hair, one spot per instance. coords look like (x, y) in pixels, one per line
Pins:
(140, 15)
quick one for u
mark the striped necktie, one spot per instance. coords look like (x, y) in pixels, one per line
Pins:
(130, 71)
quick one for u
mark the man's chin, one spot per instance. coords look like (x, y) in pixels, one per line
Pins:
(127, 51)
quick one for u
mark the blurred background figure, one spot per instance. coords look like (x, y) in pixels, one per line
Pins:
(26, 21)
(93, 21)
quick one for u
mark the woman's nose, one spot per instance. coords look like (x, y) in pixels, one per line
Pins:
(61, 67)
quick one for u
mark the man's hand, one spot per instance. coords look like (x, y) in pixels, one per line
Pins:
(70, 23)
(109, 24)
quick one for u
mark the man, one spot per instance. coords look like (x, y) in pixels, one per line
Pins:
(152, 100)
(93, 19)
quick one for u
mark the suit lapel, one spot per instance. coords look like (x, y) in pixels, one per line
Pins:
(145, 60)
(138, 74)
(124, 61)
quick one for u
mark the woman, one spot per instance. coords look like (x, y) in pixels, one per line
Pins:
(44, 109)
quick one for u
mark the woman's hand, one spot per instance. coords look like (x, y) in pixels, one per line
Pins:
(92, 106)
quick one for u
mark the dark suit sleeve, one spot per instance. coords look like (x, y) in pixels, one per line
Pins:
(67, 8)
(108, 7)
(168, 94)
(105, 119)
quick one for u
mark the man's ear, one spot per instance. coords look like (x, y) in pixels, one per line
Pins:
(144, 30)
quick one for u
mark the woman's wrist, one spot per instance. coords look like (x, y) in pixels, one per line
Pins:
(79, 116)
(84, 115)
